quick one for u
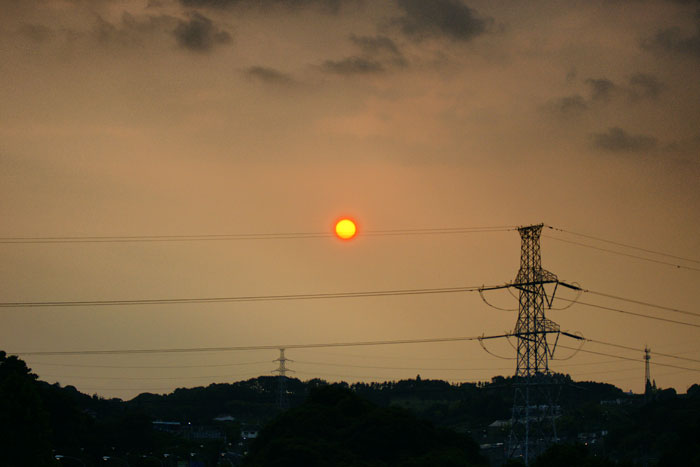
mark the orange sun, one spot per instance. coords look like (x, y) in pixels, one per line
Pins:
(345, 229)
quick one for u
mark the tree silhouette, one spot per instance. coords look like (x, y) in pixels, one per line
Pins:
(25, 437)
(335, 427)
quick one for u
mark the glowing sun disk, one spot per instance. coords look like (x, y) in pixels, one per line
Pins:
(345, 229)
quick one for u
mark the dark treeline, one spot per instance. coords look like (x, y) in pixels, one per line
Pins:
(408, 422)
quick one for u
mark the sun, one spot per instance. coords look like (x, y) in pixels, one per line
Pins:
(345, 229)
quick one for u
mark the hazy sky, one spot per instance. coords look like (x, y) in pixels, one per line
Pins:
(179, 117)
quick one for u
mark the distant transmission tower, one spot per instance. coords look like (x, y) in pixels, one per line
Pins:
(647, 374)
(534, 411)
(282, 396)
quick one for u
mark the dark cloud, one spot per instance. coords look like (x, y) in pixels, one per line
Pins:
(268, 75)
(380, 48)
(331, 6)
(604, 91)
(601, 89)
(439, 18)
(353, 66)
(131, 30)
(375, 44)
(569, 105)
(378, 54)
(673, 40)
(644, 85)
(618, 140)
(639, 86)
(199, 34)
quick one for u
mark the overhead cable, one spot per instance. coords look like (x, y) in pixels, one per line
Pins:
(626, 245)
(631, 359)
(620, 346)
(147, 378)
(246, 236)
(641, 315)
(72, 365)
(652, 260)
(258, 347)
(307, 362)
(638, 302)
(243, 298)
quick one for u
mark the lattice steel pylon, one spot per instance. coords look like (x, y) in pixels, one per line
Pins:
(282, 395)
(534, 411)
(648, 387)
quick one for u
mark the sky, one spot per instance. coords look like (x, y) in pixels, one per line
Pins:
(193, 117)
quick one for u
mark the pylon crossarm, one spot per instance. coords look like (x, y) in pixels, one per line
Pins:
(530, 286)
(573, 336)
(570, 286)
(495, 287)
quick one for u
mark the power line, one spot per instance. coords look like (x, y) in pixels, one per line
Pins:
(138, 378)
(626, 245)
(394, 367)
(603, 372)
(638, 302)
(245, 236)
(148, 366)
(657, 261)
(374, 356)
(248, 298)
(260, 347)
(641, 315)
(630, 359)
(604, 362)
(620, 346)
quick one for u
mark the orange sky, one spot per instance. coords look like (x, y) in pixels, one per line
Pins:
(179, 117)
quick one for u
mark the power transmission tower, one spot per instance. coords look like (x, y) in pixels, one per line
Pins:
(533, 416)
(534, 411)
(648, 387)
(282, 396)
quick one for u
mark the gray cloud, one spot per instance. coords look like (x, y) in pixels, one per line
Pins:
(569, 105)
(268, 75)
(644, 85)
(131, 30)
(352, 66)
(601, 89)
(439, 18)
(618, 140)
(673, 40)
(378, 54)
(375, 44)
(380, 48)
(330, 6)
(199, 34)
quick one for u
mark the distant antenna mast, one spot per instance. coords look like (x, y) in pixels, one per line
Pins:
(282, 396)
